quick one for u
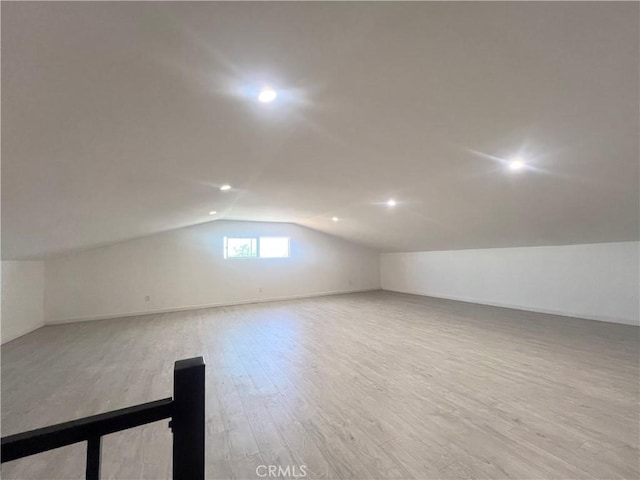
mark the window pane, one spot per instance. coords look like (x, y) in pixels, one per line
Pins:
(274, 247)
(240, 247)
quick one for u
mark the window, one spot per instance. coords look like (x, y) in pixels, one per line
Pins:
(274, 247)
(253, 247)
(245, 247)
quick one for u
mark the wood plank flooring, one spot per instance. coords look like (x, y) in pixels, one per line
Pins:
(373, 385)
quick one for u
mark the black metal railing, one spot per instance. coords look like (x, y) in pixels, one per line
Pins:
(186, 411)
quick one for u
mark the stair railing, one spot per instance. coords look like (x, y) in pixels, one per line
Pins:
(185, 409)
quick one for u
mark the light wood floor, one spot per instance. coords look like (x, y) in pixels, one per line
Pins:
(372, 385)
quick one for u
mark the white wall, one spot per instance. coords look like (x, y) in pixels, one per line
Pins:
(596, 281)
(22, 298)
(185, 268)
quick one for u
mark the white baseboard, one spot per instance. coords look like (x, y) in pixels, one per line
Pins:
(598, 318)
(208, 305)
(18, 335)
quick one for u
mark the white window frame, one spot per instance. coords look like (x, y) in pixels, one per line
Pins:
(257, 240)
(274, 236)
(242, 237)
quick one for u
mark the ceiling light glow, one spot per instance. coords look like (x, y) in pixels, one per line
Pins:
(516, 164)
(335, 219)
(224, 188)
(267, 95)
(391, 202)
(212, 212)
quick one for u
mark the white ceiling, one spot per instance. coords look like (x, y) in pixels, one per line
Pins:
(122, 119)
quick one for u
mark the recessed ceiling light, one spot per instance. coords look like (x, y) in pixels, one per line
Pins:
(391, 202)
(212, 212)
(516, 164)
(267, 95)
(335, 219)
(224, 188)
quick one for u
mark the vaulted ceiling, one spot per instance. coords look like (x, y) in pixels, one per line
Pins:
(123, 119)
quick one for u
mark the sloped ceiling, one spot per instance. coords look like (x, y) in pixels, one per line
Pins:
(122, 119)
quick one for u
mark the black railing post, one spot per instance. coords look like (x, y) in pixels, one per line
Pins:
(188, 419)
(93, 458)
